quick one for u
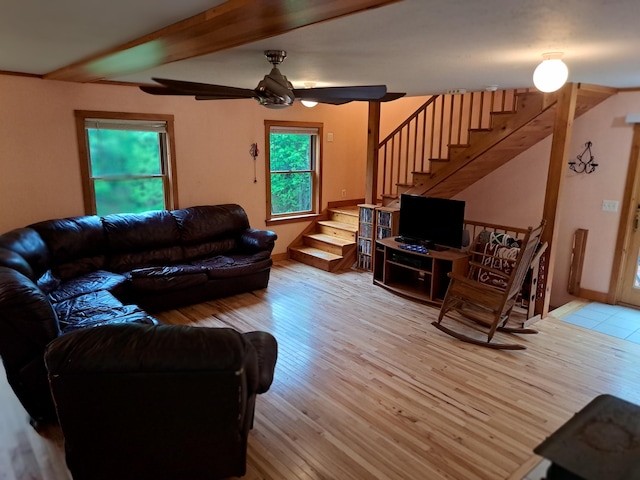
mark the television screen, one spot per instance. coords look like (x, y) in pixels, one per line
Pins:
(431, 221)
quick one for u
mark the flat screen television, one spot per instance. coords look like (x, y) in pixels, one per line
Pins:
(431, 221)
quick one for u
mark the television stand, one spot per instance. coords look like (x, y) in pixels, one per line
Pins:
(429, 245)
(416, 275)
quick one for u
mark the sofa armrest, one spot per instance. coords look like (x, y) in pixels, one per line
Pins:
(10, 259)
(267, 349)
(256, 240)
(28, 322)
(146, 348)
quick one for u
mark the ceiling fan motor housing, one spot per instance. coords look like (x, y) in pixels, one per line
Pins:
(275, 90)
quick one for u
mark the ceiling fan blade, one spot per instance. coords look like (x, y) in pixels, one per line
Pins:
(363, 93)
(334, 101)
(206, 89)
(220, 97)
(153, 90)
(391, 96)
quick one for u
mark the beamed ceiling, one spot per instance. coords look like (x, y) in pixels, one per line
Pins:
(415, 46)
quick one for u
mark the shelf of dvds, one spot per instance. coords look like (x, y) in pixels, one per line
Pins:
(375, 223)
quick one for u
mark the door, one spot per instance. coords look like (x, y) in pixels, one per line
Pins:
(630, 290)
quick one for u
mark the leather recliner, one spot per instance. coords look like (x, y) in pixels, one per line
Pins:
(164, 402)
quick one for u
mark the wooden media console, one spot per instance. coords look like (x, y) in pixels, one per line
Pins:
(420, 276)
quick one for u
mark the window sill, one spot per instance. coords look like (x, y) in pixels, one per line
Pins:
(292, 219)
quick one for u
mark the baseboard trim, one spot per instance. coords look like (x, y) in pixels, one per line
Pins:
(278, 257)
(594, 296)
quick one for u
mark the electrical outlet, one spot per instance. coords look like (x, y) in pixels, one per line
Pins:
(344, 193)
(610, 205)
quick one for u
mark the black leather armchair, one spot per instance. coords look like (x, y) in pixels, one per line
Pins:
(158, 402)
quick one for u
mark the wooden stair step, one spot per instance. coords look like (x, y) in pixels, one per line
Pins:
(339, 225)
(348, 215)
(330, 243)
(338, 229)
(315, 257)
(322, 237)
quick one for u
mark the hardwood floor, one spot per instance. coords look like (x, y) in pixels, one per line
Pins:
(367, 388)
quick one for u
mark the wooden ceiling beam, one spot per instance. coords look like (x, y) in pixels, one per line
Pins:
(231, 24)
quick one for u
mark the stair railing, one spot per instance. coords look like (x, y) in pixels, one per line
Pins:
(425, 136)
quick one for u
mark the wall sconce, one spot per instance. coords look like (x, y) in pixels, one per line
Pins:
(581, 166)
(551, 74)
(309, 103)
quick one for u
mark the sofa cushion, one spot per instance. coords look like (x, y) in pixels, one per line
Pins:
(211, 229)
(89, 302)
(142, 240)
(227, 266)
(91, 282)
(77, 245)
(209, 249)
(175, 277)
(208, 222)
(105, 316)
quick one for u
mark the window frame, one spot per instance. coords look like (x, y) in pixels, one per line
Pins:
(316, 170)
(167, 155)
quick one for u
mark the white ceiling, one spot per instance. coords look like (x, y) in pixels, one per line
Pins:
(415, 46)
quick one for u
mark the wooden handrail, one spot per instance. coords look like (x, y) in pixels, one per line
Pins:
(425, 137)
(409, 119)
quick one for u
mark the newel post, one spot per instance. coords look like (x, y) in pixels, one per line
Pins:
(373, 140)
(563, 126)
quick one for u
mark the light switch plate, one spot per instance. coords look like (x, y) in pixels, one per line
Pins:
(610, 205)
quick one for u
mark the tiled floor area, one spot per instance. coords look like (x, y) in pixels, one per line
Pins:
(621, 322)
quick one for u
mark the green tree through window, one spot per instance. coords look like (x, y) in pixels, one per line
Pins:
(294, 155)
(127, 167)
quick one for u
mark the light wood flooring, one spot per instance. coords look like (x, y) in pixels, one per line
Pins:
(367, 388)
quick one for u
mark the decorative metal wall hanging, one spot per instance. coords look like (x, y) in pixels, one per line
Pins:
(580, 165)
(253, 151)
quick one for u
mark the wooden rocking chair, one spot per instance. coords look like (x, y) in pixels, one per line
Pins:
(488, 293)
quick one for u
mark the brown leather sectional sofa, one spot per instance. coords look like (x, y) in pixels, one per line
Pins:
(64, 275)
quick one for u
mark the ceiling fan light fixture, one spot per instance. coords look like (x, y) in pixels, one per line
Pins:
(309, 103)
(551, 74)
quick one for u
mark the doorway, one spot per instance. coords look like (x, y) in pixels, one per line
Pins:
(628, 244)
(630, 281)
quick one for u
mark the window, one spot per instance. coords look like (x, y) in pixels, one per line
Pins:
(293, 160)
(126, 162)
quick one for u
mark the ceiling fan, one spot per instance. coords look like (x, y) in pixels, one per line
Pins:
(274, 90)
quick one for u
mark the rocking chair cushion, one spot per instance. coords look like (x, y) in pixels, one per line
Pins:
(497, 238)
(497, 257)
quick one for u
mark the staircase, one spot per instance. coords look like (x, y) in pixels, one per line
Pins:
(329, 244)
(446, 145)
(496, 134)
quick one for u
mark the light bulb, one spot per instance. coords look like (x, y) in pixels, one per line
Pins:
(551, 74)
(309, 103)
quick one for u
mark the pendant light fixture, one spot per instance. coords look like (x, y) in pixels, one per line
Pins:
(551, 74)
